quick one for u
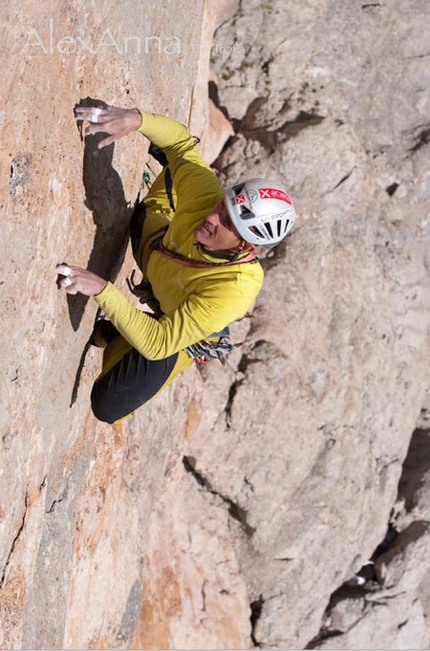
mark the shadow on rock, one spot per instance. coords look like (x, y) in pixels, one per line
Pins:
(104, 196)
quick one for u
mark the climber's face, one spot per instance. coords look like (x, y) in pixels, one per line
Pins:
(216, 232)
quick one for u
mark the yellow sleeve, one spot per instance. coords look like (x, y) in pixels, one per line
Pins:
(165, 132)
(201, 314)
(189, 170)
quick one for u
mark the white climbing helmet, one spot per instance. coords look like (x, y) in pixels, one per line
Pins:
(261, 211)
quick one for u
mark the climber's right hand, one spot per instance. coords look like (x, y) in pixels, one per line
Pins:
(76, 279)
(115, 121)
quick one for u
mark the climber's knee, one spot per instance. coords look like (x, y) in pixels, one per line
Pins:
(132, 382)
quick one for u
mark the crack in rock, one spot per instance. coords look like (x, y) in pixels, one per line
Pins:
(203, 593)
(256, 609)
(270, 139)
(53, 505)
(422, 137)
(245, 361)
(358, 587)
(231, 396)
(323, 634)
(342, 180)
(15, 541)
(369, 581)
(234, 510)
(43, 484)
(261, 351)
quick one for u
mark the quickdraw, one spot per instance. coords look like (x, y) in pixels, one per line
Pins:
(205, 351)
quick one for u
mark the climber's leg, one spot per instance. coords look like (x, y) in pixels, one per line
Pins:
(131, 382)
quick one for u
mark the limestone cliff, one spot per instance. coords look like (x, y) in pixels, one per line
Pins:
(240, 507)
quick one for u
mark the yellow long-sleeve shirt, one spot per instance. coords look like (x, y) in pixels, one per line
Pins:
(195, 301)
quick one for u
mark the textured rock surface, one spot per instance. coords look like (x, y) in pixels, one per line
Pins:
(76, 496)
(237, 508)
(340, 332)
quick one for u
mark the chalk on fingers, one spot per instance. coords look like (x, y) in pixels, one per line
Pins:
(89, 113)
(63, 269)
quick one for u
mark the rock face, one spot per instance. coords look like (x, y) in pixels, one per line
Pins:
(241, 506)
(76, 496)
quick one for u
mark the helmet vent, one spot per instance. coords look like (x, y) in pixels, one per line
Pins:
(245, 213)
(256, 231)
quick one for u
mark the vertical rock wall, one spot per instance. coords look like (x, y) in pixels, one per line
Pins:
(334, 99)
(301, 440)
(235, 509)
(76, 495)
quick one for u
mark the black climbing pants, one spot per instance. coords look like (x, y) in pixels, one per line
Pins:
(129, 384)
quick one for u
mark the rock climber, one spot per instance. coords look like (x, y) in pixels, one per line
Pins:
(195, 245)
